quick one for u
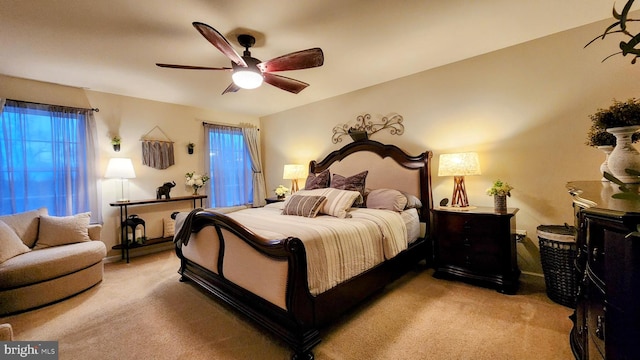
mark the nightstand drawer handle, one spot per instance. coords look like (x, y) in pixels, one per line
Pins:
(467, 260)
(596, 253)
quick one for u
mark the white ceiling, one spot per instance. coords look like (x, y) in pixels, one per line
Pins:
(112, 46)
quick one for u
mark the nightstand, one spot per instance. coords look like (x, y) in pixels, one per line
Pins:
(477, 246)
(272, 200)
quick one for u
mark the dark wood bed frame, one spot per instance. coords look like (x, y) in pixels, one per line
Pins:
(299, 325)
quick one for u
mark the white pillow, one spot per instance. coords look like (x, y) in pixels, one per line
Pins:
(338, 201)
(10, 243)
(62, 230)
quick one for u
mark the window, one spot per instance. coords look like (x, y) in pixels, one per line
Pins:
(229, 166)
(47, 159)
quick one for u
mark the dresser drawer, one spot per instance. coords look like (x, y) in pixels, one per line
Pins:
(596, 316)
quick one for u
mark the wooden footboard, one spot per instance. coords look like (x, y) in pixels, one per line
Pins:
(293, 320)
(217, 239)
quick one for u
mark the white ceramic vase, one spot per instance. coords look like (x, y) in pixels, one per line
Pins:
(624, 155)
(604, 167)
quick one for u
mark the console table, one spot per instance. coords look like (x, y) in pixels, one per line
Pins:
(124, 246)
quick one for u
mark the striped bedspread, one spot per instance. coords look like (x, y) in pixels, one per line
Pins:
(337, 249)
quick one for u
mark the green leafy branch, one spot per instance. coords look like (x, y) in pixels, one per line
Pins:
(626, 193)
(622, 22)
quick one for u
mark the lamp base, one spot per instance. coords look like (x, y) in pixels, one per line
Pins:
(294, 186)
(459, 197)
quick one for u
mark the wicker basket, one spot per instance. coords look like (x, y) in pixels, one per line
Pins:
(557, 254)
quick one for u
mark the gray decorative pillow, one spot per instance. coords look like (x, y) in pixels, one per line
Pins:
(386, 199)
(10, 243)
(317, 181)
(412, 201)
(62, 230)
(300, 205)
(352, 183)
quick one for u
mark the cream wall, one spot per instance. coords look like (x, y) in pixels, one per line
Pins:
(524, 109)
(131, 118)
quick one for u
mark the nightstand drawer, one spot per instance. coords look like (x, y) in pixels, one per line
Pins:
(465, 224)
(471, 243)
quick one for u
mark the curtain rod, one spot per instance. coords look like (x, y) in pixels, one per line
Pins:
(229, 125)
(70, 107)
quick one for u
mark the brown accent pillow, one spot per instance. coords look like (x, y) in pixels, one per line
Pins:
(318, 181)
(62, 230)
(10, 243)
(386, 199)
(352, 183)
(307, 206)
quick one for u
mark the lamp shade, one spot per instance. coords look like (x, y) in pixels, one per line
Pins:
(293, 172)
(459, 164)
(120, 168)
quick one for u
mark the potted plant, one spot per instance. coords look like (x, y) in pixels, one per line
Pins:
(500, 190)
(115, 141)
(190, 147)
(281, 191)
(622, 119)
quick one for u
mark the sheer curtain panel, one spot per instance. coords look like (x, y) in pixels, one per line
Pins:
(228, 163)
(48, 159)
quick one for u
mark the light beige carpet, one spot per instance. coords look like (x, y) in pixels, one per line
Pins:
(142, 311)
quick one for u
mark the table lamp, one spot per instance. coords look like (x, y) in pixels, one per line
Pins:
(121, 168)
(458, 165)
(293, 172)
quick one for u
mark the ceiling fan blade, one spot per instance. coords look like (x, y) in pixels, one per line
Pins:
(219, 41)
(285, 83)
(231, 88)
(189, 67)
(303, 59)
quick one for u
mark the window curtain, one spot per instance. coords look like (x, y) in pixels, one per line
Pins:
(49, 159)
(250, 133)
(229, 166)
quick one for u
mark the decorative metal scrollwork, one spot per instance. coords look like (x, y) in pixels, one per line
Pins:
(364, 128)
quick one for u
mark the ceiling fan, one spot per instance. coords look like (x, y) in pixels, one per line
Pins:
(249, 72)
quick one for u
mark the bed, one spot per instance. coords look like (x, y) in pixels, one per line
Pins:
(281, 271)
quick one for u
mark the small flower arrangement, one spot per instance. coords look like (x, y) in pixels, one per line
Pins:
(115, 140)
(500, 188)
(281, 191)
(196, 181)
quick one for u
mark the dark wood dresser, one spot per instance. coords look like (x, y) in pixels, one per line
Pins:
(607, 315)
(477, 245)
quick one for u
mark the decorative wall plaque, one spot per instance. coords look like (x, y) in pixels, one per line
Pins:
(364, 127)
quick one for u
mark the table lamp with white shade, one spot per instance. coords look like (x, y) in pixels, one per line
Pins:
(122, 169)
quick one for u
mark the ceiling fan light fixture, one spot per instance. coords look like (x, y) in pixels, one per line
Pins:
(247, 78)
